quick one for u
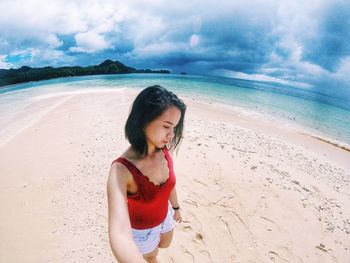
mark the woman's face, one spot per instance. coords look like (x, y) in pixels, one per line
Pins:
(161, 130)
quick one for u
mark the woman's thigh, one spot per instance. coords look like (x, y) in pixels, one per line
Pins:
(165, 239)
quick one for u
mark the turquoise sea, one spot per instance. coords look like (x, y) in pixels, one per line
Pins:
(313, 112)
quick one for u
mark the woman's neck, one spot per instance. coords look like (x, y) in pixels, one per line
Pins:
(153, 152)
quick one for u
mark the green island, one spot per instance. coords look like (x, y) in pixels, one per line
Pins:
(25, 73)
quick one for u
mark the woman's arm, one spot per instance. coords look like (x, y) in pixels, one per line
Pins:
(175, 204)
(119, 228)
(173, 197)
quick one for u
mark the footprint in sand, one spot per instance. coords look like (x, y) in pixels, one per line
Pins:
(187, 256)
(327, 252)
(274, 257)
(187, 228)
(270, 224)
(205, 257)
(284, 254)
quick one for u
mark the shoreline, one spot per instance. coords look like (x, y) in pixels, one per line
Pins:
(248, 114)
(301, 137)
(336, 144)
(252, 115)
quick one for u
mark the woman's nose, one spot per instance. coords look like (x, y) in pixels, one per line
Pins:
(171, 133)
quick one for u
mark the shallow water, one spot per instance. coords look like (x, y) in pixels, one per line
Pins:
(316, 113)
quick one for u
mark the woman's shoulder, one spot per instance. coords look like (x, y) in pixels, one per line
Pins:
(128, 154)
(119, 168)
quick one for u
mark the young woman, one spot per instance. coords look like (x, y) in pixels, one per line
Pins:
(142, 199)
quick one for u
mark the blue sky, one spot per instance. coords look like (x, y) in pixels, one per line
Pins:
(302, 43)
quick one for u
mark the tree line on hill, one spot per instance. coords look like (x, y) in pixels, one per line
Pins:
(25, 73)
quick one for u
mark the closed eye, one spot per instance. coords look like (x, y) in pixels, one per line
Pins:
(169, 127)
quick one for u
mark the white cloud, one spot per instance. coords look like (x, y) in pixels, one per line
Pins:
(35, 57)
(156, 50)
(89, 42)
(32, 24)
(58, 17)
(145, 29)
(3, 62)
(53, 41)
(52, 57)
(343, 71)
(340, 79)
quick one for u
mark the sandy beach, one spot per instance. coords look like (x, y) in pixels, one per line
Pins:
(250, 191)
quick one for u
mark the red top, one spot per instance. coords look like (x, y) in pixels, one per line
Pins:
(149, 206)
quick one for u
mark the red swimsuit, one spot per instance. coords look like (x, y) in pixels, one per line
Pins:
(149, 206)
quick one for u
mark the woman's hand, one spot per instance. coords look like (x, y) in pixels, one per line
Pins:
(177, 216)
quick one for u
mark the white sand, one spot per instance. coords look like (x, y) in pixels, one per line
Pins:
(249, 191)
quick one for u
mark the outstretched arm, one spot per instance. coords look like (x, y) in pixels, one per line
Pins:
(119, 228)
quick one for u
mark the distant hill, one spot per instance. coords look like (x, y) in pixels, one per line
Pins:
(24, 74)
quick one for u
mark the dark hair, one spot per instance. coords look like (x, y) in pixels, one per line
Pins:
(149, 104)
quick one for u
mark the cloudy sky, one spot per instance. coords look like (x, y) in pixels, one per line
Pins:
(303, 43)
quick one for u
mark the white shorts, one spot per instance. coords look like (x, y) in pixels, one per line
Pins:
(148, 239)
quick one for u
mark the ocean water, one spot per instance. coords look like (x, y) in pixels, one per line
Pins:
(311, 112)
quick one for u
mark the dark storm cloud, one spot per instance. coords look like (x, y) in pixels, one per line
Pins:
(332, 42)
